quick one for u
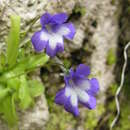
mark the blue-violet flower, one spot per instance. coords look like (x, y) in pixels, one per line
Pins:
(50, 37)
(78, 88)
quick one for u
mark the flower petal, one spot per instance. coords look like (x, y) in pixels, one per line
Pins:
(91, 103)
(82, 95)
(94, 88)
(39, 40)
(59, 18)
(45, 19)
(69, 92)
(83, 83)
(67, 30)
(82, 69)
(55, 45)
(70, 34)
(60, 97)
(60, 47)
(68, 98)
(70, 108)
(51, 52)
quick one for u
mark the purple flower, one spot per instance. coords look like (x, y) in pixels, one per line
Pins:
(78, 88)
(54, 30)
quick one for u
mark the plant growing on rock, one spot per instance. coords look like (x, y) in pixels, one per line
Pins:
(78, 88)
(17, 90)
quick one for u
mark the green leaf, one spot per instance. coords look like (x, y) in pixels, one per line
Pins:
(25, 65)
(3, 92)
(34, 61)
(1, 68)
(13, 84)
(36, 88)
(2, 62)
(13, 40)
(21, 53)
(9, 110)
(24, 95)
(2, 59)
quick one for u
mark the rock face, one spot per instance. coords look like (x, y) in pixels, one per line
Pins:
(35, 118)
(97, 29)
(105, 37)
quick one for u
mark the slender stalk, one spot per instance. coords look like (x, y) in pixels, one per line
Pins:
(60, 64)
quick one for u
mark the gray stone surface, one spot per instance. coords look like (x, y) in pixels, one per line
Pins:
(35, 118)
(104, 38)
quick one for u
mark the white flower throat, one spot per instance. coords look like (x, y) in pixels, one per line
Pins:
(77, 92)
(54, 38)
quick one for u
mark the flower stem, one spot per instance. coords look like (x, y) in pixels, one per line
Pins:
(61, 65)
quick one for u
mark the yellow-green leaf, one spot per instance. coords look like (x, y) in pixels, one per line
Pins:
(3, 92)
(13, 40)
(36, 88)
(9, 111)
(24, 95)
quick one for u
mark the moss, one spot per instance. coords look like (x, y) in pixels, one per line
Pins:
(113, 2)
(92, 117)
(67, 63)
(59, 119)
(127, 86)
(111, 107)
(80, 10)
(124, 121)
(128, 10)
(113, 88)
(92, 75)
(111, 57)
